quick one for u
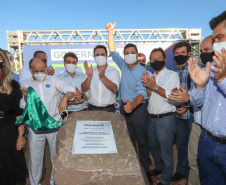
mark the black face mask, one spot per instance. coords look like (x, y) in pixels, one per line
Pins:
(1, 65)
(181, 59)
(206, 57)
(142, 64)
(157, 65)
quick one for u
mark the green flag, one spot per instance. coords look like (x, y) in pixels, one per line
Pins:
(36, 115)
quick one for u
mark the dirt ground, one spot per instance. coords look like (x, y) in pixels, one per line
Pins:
(47, 172)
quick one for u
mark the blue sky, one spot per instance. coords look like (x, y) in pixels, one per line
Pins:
(91, 14)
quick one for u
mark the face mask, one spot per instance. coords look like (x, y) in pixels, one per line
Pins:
(206, 57)
(142, 64)
(71, 68)
(100, 60)
(157, 65)
(181, 59)
(39, 76)
(1, 64)
(11, 64)
(217, 46)
(130, 58)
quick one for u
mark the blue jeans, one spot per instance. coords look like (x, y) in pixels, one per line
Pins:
(211, 160)
(183, 130)
(160, 140)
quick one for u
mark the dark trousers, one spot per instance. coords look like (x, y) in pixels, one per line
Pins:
(211, 160)
(109, 108)
(137, 127)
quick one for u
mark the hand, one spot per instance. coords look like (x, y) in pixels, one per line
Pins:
(182, 110)
(20, 142)
(110, 26)
(129, 106)
(179, 95)
(101, 71)
(150, 83)
(89, 71)
(50, 70)
(198, 75)
(78, 98)
(63, 104)
(24, 91)
(220, 70)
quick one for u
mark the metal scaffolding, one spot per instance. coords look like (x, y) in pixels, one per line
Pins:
(17, 39)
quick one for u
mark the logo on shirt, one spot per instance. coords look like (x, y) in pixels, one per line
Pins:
(47, 86)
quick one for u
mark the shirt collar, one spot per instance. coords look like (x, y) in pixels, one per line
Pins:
(161, 72)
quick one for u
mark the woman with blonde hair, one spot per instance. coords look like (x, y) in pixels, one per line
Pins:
(13, 168)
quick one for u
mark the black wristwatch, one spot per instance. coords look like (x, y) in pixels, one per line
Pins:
(21, 134)
(82, 97)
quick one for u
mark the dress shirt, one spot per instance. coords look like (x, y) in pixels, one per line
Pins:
(131, 83)
(25, 74)
(76, 81)
(212, 98)
(15, 76)
(49, 92)
(101, 96)
(166, 79)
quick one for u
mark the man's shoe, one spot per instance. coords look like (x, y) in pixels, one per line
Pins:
(177, 177)
(160, 183)
(149, 178)
(155, 172)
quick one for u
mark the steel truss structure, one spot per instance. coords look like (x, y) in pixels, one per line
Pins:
(17, 39)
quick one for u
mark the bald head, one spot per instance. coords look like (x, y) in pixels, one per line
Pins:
(37, 65)
(207, 45)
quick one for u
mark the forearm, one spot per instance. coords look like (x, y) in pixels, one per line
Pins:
(86, 84)
(68, 96)
(148, 92)
(137, 101)
(109, 84)
(111, 42)
(161, 92)
(21, 128)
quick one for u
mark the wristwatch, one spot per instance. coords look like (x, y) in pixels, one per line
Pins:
(21, 134)
(82, 97)
(156, 88)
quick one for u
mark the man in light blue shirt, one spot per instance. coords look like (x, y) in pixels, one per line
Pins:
(74, 79)
(134, 96)
(210, 93)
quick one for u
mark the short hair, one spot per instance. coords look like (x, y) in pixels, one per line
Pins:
(130, 45)
(30, 62)
(36, 53)
(214, 22)
(158, 49)
(70, 54)
(141, 55)
(98, 47)
(181, 44)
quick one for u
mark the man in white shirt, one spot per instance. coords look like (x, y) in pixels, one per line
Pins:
(161, 118)
(102, 81)
(25, 73)
(49, 90)
(73, 78)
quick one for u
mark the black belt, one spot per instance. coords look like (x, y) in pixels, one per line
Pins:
(161, 115)
(4, 113)
(217, 138)
(102, 107)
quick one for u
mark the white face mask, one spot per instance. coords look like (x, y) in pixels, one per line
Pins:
(130, 58)
(40, 76)
(217, 46)
(11, 64)
(100, 60)
(71, 68)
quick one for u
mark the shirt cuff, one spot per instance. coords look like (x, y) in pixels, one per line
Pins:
(222, 85)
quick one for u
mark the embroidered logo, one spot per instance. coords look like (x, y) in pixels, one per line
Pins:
(47, 86)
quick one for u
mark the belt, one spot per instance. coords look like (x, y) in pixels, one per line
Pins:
(161, 115)
(217, 138)
(4, 113)
(102, 107)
